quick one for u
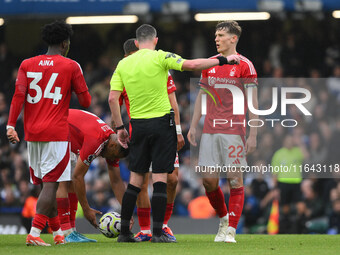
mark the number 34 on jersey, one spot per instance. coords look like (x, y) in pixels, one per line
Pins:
(56, 96)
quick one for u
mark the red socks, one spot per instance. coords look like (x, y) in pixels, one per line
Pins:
(64, 213)
(216, 199)
(168, 212)
(54, 223)
(73, 200)
(236, 202)
(144, 218)
(39, 221)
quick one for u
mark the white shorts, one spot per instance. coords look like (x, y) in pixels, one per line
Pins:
(49, 161)
(74, 159)
(222, 150)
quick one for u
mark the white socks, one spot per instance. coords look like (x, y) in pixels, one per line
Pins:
(67, 231)
(58, 232)
(225, 218)
(35, 232)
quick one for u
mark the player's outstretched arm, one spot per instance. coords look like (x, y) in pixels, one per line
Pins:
(79, 186)
(203, 63)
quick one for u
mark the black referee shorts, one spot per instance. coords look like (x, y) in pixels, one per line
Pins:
(153, 140)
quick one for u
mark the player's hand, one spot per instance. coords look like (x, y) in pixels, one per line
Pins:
(192, 136)
(90, 215)
(250, 144)
(123, 138)
(131, 223)
(233, 59)
(180, 142)
(12, 136)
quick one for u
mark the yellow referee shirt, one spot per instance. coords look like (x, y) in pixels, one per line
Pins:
(144, 75)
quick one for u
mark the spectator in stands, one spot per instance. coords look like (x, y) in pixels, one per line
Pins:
(311, 207)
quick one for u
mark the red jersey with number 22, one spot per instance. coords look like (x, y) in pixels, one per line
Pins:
(50, 80)
(219, 115)
(89, 134)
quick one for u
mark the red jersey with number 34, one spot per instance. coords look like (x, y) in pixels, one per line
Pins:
(50, 80)
(219, 81)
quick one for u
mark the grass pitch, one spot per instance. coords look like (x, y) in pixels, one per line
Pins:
(187, 244)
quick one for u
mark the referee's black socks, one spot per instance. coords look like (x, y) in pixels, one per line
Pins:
(128, 205)
(158, 206)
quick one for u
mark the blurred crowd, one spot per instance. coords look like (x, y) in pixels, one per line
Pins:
(279, 49)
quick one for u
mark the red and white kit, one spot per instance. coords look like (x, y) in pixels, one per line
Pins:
(222, 142)
(89, 134)
(44, 85)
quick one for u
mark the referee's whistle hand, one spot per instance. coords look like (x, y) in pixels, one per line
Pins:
(192, 136)
(180, 142)
(123, 138)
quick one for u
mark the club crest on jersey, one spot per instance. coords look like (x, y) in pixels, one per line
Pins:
(45, 63)
(211, 81)
(232, 72)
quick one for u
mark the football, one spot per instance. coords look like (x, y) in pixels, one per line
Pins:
(109, 224)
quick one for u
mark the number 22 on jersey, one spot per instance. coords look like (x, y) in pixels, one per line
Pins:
(37, 76)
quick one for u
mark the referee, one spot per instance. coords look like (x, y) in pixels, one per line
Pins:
(144, 75)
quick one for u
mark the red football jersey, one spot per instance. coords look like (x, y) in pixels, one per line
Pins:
(219, 114)
(124, 98)
(49, 82)
(89, 134)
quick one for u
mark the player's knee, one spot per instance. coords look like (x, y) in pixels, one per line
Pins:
(236, 183)
(143, 191)
(172, 181)
(210, 184)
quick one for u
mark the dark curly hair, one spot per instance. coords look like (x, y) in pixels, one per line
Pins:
(56, 32)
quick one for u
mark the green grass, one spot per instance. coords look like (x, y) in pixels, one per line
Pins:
(187, 244)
